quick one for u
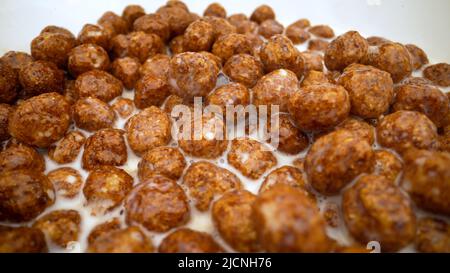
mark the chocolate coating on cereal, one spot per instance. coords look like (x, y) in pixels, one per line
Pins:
(119, 45)
(205, 181)
(244, 68)
(21, 156)
(290, 139)
(221, 26)
(127, 240)
(103, 228)
(176, 45)
(87, 57)
(346, 49)
(279, 52)
(297, 34)
(16, 59)
(123, 107)
(418, 56)
(24, 194)
(40, 120)
(5, 111)
(151, 90)
(250, 157)
(314, 78)
(438, 74)
(157, 65)
(387, 164)
(229, 94)
(405, 129)
(262, 13)
(22, 240)
(335, 159)
(143, 45)
(92, 114)
(153, 24)
(433, 236)
(66, 181)
(127, 70)
(376, 210)
(68, 148)
(131, 13)
(105, 147)
(360, 128)
(268, 28)
(53, 47)
(94, 34)
(286, 175)
(185, 240)
(231, 44)
(98, 84)
(179, 18)
(322, 31)
(199, 36)
(149, 129)
(60, 226)
(243, 24)
(215, 9)
(157, 205)
(318, 45)
(41, 77)
(166, 161)
(114, 21)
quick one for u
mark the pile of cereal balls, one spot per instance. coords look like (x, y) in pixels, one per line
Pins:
(354, 121)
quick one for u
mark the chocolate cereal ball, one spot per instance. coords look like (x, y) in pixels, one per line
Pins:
(153, 24)
(119, 46)
(127, 70)
(179, 18)
(143, 45)
(176, 45)
(60, 226)
(298, 35)
(5, 111)
(279, 52)
(345, 50)
(423, 98)
(106, 187)
(192, 74)
(232, 215)
(387, 164)
(115, 22)
(21, 156)
(151, 90)
(262, 13)
(87, 57)
(127, 240)
(92, 114)
(250, 157)
(244, 68)
(426, 178)
(99, 230)
(98, 84)
(359, 127)
(94, 34)
(433, 236)
(231, 94)
(377, 210)
(16, 59)
(22, 240)
(318, 45)
(313, 61)
(68, 148)
(131, 13)
(335, 159)
(418, 56)
(123, 107)
(66, 181)
(221, 26)
(286, 220)
(166, 161)
(24, 194)
(243, 24)
(439, 74)
(205, 181)
(319, 107)
(41, 77)
(199, 36)
(53, 47)
(185, 240)
(9, 83)
(314, 78)
(276, 88)
(322, 31)
(231, 44)
(104, 147)
(287, 175)
(149, 129)
(157, 65)
(215, 9)
(157, 205)
(270, 27)
(405, 129)
(289, 139)
(40, 120)
(371, 90)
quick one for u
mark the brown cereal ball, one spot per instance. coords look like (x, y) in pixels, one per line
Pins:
(60, 226)
(103, 228)
(359, 127)
(149, 129)
(322, 31)
(250, 157)
(171, 102)
(86, 57)
(276, 88)
(16, 59)
(94, 34)
(335, 159)
(297, 34)
(286, 220)
(104, 147)
(22, 240)
(66, 181)
(151, 91)
(262, 13)
(70, 92)
(176, 45)
(433, 236)
(106, 187)
(153, 24)
(314, 78)
(221, 26)
(41, 77)
(209, 141)
(143, 45)
(179, 18)
(167, 161)
(119, 45)
(269, 28)
(423, 98)
(215, 59)
(387, 164)
(24, 194)
(377, 210)
(98, 84)
(53, 47)
(157, 65)
(279, 52)
(185, 240)
(205, 181)
(405, 129)
(426, 178)
(157, 205)
(40, 120)
(68, 148)
(243, 24)
(288, 138)
(123, 107)
(199, 36)
(391, 57)
(232, 215)
(5, 112)
(418, 56)
(92, 114)
(131, 13)
(345, 50)
(416, 81)
(376, 40)
(318, 45)
(244, 68)
(177, 3)
(371, 90)
(231, 44)
(117, 23)
(127, 70)
(302, 23)
(286, 175)
(231, 94)
(215, 9)
(319, 107)
(192, 74)
(438, 73)
(21, 156)
(128, 240)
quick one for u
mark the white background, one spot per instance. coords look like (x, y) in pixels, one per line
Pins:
(423, 22)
